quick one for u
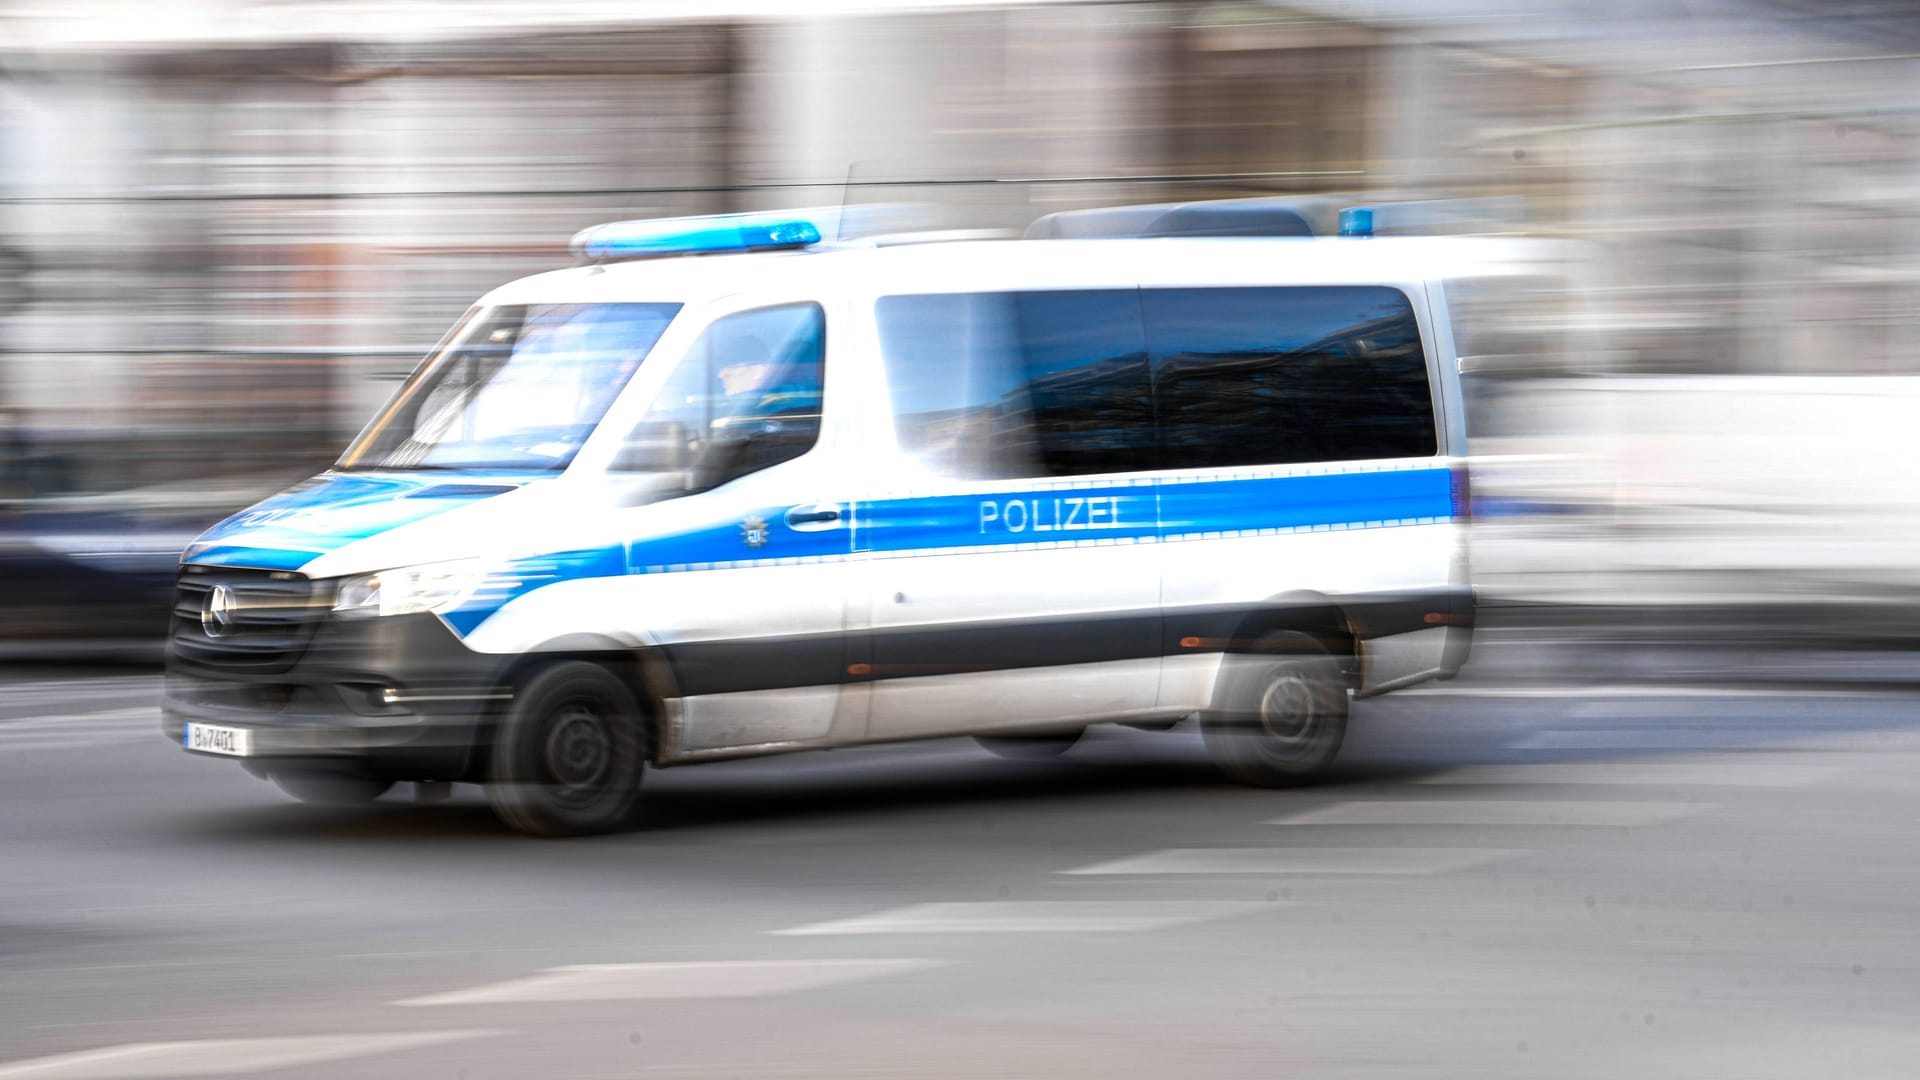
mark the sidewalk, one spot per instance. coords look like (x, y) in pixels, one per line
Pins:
(1703, 645)
(1576, 603)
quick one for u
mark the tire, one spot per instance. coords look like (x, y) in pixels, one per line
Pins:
(569, 754)
(1039, 747)
(329, 788)
(1280, 712)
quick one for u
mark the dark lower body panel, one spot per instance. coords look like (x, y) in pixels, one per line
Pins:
(402, 697)
(398, 697)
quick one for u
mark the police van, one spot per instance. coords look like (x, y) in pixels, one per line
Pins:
(727, 490)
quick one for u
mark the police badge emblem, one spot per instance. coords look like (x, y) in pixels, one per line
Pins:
(754, 532)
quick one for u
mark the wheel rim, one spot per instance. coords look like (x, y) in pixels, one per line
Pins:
(579, 749)
(1288, 712)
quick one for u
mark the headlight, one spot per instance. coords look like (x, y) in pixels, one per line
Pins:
(408, 589)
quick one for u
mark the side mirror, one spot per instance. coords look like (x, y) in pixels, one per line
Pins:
(743, 445)
(655, 446)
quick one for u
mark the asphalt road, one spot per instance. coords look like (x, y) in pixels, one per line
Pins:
(1506, 880)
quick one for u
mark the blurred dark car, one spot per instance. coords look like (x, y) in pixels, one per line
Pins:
(87, 576)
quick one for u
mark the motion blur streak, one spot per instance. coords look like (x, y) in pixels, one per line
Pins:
(228, 228)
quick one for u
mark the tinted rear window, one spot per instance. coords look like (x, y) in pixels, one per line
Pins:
(1279, 376)
(1020, 384)
(1063, 383)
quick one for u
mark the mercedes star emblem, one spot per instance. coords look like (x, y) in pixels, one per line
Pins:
(216, 614)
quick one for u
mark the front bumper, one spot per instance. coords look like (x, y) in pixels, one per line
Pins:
(398, 696)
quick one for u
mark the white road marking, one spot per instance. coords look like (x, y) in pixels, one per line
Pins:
(1027, 916)
(645, 982)
(1731, 772)
(1647, 690)
(221, 1057)
(1423, 860)
(24, 746)
(77, 741)
(80, 730)
(1620, 739)
(66, 689)
(118, 715)
(60, 708)
(1489, 812)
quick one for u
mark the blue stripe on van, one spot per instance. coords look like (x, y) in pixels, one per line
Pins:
(1343, 500)
(332, 510)
(759, 537)
(900, 526)
(251, 556)
(522, 576)
(1076, 515)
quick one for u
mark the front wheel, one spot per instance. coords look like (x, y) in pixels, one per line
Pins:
(1280, 711)
(568, 757)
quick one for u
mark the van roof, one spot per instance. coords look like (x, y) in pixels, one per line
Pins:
(992, 265)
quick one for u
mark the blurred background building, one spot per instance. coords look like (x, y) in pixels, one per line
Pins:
(227, 227)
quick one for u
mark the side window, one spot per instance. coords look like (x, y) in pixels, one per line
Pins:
(745, 397)
(1020, 384)
(1276, 376)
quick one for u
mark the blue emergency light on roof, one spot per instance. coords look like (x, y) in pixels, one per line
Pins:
(694, 235)
(1356, 221)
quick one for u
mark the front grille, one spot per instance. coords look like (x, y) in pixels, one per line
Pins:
(273, 614)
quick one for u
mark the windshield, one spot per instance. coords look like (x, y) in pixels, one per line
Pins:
(516, 387)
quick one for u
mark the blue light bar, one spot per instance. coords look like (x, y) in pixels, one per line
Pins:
(694, 235)
(1356, 221)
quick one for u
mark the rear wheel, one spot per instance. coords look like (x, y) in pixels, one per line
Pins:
(1050, 744)
(329, 788)
(1280, 712)
(569, 754)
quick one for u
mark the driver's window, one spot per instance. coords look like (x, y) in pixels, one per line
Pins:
(745, 397)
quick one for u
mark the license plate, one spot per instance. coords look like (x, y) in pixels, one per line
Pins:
(208, 739)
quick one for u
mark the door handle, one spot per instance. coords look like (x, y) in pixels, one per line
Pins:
(815, 517)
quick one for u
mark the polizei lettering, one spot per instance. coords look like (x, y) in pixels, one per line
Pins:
(1061, 513)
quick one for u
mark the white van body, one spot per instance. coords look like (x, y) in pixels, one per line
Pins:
(1096, 543)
